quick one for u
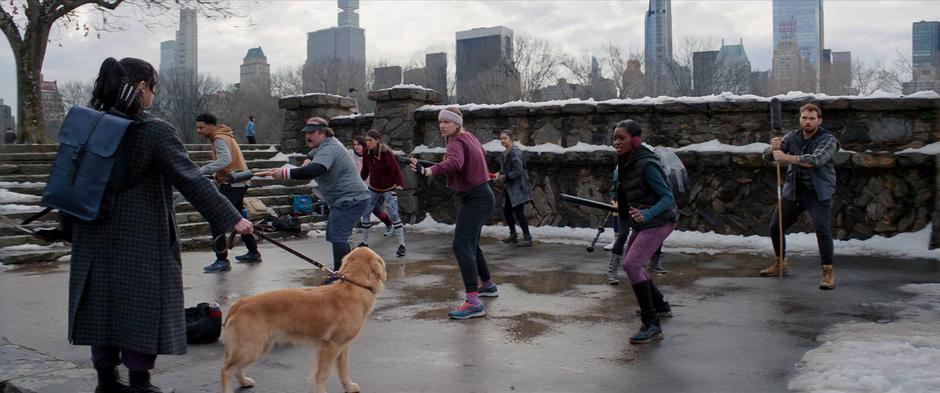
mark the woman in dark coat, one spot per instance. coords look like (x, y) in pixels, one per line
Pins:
(125, 283)
(517, 191)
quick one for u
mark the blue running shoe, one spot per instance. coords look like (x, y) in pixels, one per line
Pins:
(467, 311)
(220, 265)
(488, 291)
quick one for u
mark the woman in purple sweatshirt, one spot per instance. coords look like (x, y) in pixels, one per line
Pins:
(467, 175)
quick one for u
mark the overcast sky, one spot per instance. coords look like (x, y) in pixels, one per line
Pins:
(398, 30)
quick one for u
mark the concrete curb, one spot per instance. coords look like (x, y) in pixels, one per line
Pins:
(26, 370)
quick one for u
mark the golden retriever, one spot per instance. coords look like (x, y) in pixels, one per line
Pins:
(329, 316)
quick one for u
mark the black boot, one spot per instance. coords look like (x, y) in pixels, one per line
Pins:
(109, 381)
(650, 330)
(140, 383)
(512, 238)
(663, 310)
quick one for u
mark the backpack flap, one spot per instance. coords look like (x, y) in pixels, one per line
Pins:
(88, 142)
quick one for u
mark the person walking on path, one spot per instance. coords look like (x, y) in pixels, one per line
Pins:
(517, 191)
(125, 279)
(809, 186)
(381, 168)
(250, 130)
(342, 189)
(645, 200)
(359, 148)
(467, 174)
(227, 158)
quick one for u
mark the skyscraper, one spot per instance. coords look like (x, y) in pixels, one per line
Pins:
(732, 69)
(836, 73)
(336, 56)
(186, 60)
(798, 44)
(167, 57)
(661, 68)
(925, 57)
(255, 74)
(485, 70)
(703, 72)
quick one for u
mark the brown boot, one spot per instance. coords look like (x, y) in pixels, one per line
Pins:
(828, 278)
(771, 271)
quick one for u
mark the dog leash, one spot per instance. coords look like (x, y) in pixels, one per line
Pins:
(332, 275)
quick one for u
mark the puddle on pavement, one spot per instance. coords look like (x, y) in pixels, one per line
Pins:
(526, 327)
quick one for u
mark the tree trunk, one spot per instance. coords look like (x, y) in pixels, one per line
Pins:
(30, 53)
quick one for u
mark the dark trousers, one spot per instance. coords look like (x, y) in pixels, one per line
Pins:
(251, 140)
(235, 195)
(105, 358)
(474, 207)
(819, 211)
(513, 214)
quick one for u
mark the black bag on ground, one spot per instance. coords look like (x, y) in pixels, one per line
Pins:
(203, 323)
(279, 224)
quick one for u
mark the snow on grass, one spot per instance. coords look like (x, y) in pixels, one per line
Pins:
(424, 149)
(898, 357)
(7, 196)
(285, 157)
(904, 245)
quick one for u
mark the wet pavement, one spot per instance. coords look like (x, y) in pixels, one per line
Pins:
(556, 326)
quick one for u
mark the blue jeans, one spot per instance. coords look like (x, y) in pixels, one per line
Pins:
(819, 211)
(474, 207)
(339, 227)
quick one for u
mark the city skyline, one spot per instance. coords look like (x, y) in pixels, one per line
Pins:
(419, 27)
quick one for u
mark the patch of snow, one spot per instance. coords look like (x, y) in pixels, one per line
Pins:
(424, 149)
(353, 116)
(898, 356)
(933, 148)
(32, 247)
(16, 208)
(285, 157)
(905, 245)
(723, 97)
(408, 86)
(312, 94)
(7, 196)
(10, 184)
(715, 146)
(924, 94)
(270, 148)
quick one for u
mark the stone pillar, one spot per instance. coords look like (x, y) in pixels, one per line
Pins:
(394, 119)
(299, 108)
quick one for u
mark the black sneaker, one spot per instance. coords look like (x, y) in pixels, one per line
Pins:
(511, 239)
(527, 242)
(250, 257)
(220, 265)
(401, 250)
(660, 314)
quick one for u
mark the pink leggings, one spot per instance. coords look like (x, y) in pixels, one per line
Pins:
(641, 246)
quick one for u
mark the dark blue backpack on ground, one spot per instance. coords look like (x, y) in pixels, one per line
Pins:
(86, 171)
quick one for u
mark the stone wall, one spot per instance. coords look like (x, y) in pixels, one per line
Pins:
(875, 124)
(299, 108)
(880, 191)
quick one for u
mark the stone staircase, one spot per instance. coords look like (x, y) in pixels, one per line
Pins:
(24, 170)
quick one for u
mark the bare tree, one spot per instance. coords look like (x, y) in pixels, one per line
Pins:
(626, 70)
(680, 69)
(537, 62)
(878, 75)
(182, 99)
(27, 25)
(76, 93)
(287, 81)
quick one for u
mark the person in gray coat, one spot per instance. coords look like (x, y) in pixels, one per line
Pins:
(517, 191)
(125, 280)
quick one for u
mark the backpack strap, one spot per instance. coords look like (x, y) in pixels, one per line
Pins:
(36, 216)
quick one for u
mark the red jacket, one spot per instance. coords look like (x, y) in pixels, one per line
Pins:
(382, 170)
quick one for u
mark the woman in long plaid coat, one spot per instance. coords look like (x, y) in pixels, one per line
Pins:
(125, 286)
